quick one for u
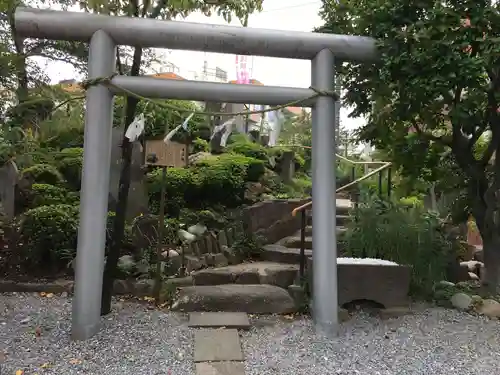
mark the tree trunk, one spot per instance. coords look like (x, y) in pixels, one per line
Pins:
(22, 92)
(121, 205)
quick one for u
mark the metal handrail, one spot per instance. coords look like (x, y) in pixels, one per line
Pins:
(362, 178)
(353, 162)
(302, 209)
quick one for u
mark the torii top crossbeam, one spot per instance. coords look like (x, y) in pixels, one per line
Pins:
(144, 32)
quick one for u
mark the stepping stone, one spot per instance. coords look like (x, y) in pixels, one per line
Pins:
(236, 320)
(220, 368)
(217, 345)
(252, 299)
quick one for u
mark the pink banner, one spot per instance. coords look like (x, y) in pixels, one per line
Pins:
(242, 76)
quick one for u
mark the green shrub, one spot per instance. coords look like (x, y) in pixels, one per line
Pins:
(216, 181)
(181, 188)
(247, 148)
(412, 202)
(46, 195)
(248, 168)
(65, 137)
(48, 234)
(407, 236)
(303, 184)
(200, 145)
(75, 152)
(70, 163)
(43, 174)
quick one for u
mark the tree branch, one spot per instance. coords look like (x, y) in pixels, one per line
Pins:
(429, 137)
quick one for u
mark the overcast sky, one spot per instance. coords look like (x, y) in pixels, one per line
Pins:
(297, 15)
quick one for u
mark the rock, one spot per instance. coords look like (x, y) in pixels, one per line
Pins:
(169, 254)
(461, 301)
(472, 265)
(248, 277)
(185, 236)
(229, 236)
(253, 190)
(299, 295)
(230, 255)
(489, 308)
(199, 156)
(144, 288)
(445, 284)
(179, 281)
(478, 254)
(212, 277)
(220, 260)
(255, 299)
(122, 287)
(476, 300)
(282, 276)
(197, 229)
(192, 263)
(209, 259)
(143, 267)
(221, 237)
(126, 263)
(473, 276)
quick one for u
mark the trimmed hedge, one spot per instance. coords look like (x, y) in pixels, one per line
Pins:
(215, 181)
(43, 174)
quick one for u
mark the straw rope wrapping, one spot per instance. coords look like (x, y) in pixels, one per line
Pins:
(108, 82)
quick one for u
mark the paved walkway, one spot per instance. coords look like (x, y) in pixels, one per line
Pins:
(217, 347)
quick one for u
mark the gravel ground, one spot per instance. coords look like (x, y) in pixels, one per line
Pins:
(138, 341)
(134, 340)
(434, 341)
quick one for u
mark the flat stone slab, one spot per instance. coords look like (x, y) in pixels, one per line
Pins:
(254, 299)
(282, 254)
(217, 345)
(220, 368)
(272, 273)
(236, 320)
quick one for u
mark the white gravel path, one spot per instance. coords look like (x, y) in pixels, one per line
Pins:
(434, 341)
(134, 340)
(139, 341)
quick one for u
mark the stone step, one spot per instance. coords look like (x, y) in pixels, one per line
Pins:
(216, 345)
(282, 254)
(263, 272)
(341, 219)
(220, 368)
(252, 299)
(294, 241)
(235, 320)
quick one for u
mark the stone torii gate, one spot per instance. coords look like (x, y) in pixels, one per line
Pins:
(105, 33)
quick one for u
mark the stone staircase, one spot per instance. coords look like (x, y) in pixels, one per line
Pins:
(259, 287)
(287, 250)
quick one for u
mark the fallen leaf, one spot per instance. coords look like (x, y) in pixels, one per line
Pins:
(149, 299)
(49, 295)
(43, 294)
(19, 372)
(121, 300)
(38, 331)
(75, 361)
(289, 317)
(45, 365)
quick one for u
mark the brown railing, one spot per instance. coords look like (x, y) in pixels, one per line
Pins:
(303, 209)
